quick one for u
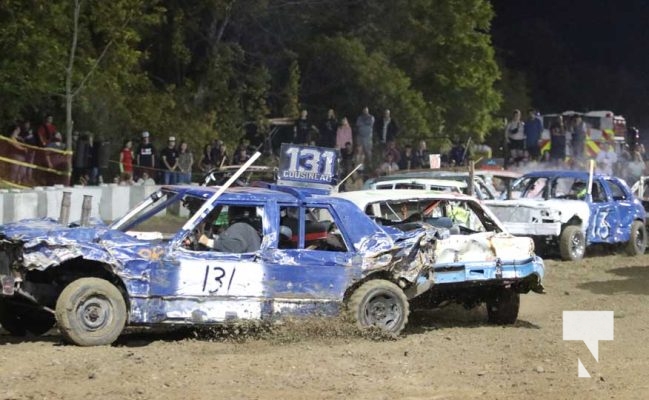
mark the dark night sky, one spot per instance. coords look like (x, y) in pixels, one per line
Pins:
(579, 54)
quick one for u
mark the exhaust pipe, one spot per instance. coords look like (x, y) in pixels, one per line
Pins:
(64, 216)
(86, 207)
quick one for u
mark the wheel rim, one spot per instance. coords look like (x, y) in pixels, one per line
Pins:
(94, 313)
(383, 310)
(576, 246)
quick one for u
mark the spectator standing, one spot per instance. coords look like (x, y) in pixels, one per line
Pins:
(422, 155)
(387, 128)
(557, 142)
(185, 163)
(533, 128)
(632, 138)
(218, 154)
(347, 157)
(19, 153)
(515, 133)
(170, 161)
(146, 155)
(389, 165)
(57, 161)
(392, 149)
(302, 129)
(636, 168)
(329, 129)
(606, 159)
(28, 137)
(241, 156)
(46, 131)
(579, 133)
(126, 158)
(358, 157)
(206, 161)
(365, 129)
(408, 159)
(457, 153)
(343, 134)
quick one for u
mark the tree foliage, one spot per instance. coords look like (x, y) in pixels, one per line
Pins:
(201, 69)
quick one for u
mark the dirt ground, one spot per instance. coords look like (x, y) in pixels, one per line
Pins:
(444, 354)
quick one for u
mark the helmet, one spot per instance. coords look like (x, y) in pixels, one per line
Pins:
(241, 212)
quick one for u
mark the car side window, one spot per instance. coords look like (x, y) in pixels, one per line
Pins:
(618, 193)
(322, 232)
(599, 196)
(289, 227)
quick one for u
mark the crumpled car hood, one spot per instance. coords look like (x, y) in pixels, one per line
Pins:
(46, 243)
(407, 254)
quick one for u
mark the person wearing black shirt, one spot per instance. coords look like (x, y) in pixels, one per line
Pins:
(170, 162)
(145, 157)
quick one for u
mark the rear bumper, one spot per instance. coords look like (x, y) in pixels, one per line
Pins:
(528, 273)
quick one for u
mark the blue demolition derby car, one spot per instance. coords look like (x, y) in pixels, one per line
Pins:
(209, 255)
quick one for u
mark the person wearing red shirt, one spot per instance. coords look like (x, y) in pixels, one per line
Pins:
(46, 131)
(126, 158)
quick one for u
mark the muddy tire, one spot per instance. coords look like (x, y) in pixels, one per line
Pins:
(503, 306)
(91, 312)
(379, 303)
(18, 320)
(572, 243)
(637, 243)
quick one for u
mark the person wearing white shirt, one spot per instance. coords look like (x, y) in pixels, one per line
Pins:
(606, 159)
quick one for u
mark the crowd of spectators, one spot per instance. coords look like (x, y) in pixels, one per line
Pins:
(28, 147)
(369, 147)
(567, 143)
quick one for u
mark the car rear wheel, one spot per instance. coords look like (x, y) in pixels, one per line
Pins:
(503, 306)
(18, 320)
(91, 312)
(379, 303)
(637, 243)
(572, 243)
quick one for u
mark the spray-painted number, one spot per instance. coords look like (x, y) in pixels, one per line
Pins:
(311, 161)
(215, 278)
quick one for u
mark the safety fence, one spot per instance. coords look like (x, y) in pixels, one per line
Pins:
(23, 165)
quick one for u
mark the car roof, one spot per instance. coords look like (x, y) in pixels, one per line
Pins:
(363, 197)
(561, 173)
(245, 193)
(430, 181)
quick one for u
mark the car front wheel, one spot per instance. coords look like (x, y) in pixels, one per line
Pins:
(572, 243)
(379, 303)
(91, 312)
(637, 243)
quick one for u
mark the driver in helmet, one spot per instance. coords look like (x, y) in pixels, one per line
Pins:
(579, 190)
(239, 237)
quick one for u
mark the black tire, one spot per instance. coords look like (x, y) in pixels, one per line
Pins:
(503, 306)
(91, 312)
(379, 303)
(637, 243)
(18, 320)
(572, 243)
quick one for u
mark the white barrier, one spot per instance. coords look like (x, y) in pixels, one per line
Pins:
(20, 205)
(108, 201)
